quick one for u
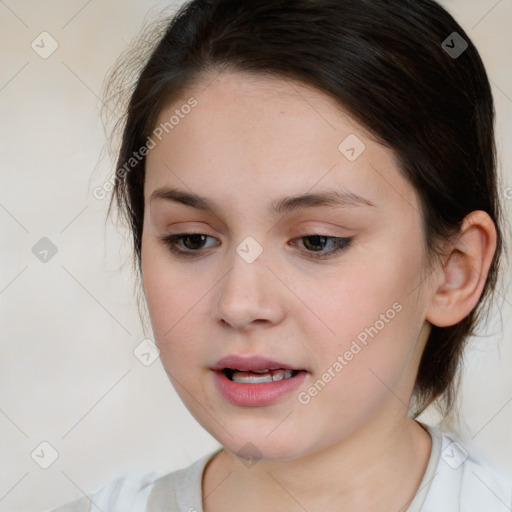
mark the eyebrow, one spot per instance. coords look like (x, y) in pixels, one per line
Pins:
(334, 198)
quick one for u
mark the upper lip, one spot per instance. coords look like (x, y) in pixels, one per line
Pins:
(250, 364)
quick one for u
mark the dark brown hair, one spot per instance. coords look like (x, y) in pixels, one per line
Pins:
(388, 63)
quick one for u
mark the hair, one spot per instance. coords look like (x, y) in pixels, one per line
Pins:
(385, 64)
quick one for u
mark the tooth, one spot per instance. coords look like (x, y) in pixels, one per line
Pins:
(248, 378)
(261, 376)
(281, 374)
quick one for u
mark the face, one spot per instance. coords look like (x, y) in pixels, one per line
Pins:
(299, 264)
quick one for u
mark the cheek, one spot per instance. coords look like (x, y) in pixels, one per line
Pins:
(369, 314)
(363, 294)
(368, 362)
(172, 295)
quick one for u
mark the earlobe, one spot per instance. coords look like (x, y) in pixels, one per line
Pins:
(465, 271)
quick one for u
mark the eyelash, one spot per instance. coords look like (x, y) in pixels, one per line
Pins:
(341, 244)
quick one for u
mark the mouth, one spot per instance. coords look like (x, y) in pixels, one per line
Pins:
(254, 370)
(256, 381)
(258, 376)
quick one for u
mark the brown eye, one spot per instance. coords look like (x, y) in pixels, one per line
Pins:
(322, 246)
(194, 242)
(314, 241)
(186, 243)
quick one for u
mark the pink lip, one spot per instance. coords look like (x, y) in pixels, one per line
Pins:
(250, 364)
(254, 395)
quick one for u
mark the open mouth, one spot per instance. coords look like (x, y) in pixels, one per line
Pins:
(258, 376)
(256, 381)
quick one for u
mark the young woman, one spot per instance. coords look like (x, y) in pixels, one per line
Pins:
(312, 193)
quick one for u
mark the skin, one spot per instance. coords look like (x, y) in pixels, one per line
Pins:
(250, 141)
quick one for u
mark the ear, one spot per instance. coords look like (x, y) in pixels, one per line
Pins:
(465, 271)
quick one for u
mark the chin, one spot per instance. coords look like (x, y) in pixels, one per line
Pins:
(252, 442)
(251, 452)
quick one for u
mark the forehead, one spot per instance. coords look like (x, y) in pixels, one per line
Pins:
(262, 137)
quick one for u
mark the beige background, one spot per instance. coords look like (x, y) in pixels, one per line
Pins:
(69, 326)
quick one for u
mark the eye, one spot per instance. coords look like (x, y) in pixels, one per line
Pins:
(192, 242)
(316, 244)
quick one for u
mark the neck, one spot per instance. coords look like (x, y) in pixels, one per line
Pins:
(375, 468)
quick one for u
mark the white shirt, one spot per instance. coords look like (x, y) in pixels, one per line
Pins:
(454, 481)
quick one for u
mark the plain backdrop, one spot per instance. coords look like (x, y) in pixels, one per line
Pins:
(69, 320)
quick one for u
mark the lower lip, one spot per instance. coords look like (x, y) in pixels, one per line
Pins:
(256, 395)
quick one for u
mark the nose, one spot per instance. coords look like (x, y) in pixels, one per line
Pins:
(249, 295)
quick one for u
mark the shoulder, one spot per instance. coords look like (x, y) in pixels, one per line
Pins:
(180, 490)
(146, 492)
(464, 481)
(125, 493)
